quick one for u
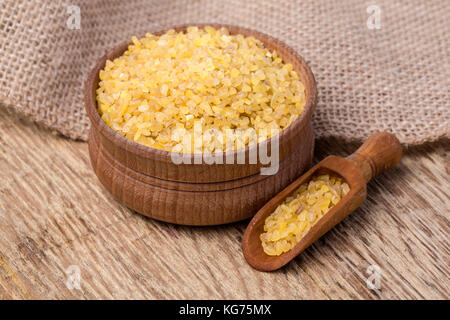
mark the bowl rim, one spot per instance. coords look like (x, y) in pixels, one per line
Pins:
(91, 85)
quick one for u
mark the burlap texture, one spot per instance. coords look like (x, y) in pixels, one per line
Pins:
(395, 78)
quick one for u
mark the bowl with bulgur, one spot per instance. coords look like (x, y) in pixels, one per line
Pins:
(173, 112)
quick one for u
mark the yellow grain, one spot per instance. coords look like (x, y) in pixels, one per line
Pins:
(292, 219)
(167, 82)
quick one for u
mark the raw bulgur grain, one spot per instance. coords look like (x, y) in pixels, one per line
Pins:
(228, 82)
(292, 219)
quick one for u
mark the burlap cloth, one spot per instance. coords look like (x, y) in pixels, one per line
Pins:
(395, 78)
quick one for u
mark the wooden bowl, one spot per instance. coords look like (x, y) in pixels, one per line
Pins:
(149, 182)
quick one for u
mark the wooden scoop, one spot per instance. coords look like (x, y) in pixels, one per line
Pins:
(380, 152)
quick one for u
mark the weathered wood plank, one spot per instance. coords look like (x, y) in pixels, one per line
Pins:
(54, 213)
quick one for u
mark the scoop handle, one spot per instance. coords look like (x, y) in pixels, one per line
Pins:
(380, 152)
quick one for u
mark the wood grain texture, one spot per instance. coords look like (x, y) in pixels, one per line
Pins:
(55, 213)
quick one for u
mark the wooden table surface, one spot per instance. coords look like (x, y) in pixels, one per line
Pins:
(55, 214)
